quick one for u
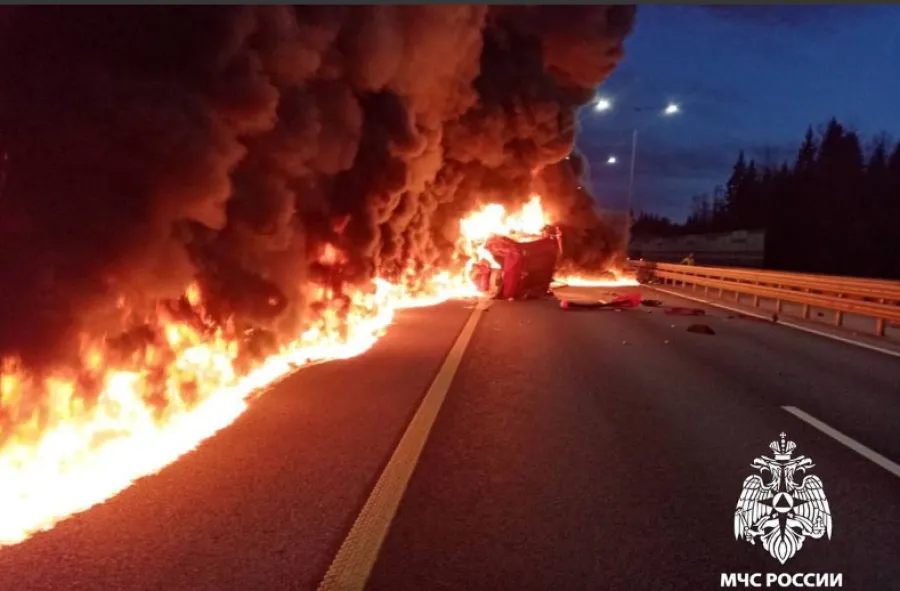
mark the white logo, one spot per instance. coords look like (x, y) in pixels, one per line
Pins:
(782, 513)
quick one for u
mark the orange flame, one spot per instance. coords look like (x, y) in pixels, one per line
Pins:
(615, 278)
(493, 220)
(62, 452)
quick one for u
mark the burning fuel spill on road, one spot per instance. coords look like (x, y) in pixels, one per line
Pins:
(199, 200)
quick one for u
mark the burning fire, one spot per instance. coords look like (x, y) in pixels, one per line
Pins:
(492, 220)
(615, 279)
(62, 451)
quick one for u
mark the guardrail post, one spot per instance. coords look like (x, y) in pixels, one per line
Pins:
(706, 290)
(756, 301)
(879, 322)
(838, 315)
(805, 309)
(778, 305)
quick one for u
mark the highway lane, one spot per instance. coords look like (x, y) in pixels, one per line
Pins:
(853, 389)
(606, 450)
(265, 503)
(575, 450)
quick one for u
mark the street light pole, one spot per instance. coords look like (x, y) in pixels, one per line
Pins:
(628, 220)
(601, 104)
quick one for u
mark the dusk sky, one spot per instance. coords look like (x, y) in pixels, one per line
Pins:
(745, 77)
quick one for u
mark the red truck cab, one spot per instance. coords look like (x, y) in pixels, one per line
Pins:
(526, 266)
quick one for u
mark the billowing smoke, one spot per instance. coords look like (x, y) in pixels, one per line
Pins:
(148, 146)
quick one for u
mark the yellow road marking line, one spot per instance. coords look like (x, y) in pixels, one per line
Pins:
(351, 567)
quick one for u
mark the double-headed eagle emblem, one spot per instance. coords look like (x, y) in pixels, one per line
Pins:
(782, 513)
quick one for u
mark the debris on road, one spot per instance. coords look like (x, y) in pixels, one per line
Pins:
(652, 303)
(701, 329)
(581, 305)
(631, 300)
(680, 311)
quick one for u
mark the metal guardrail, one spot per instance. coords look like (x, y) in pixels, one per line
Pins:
(874, 298)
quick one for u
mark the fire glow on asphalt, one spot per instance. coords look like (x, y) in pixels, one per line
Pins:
(68, 454)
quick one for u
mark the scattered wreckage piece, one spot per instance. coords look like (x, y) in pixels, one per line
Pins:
(701, 329)
(652, 303)
(624, 302)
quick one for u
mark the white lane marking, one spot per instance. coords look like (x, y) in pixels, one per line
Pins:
(853, 444)
(351, 567)
(781, 322)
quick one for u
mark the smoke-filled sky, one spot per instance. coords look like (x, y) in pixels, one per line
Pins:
(747, 77)
(152, 146)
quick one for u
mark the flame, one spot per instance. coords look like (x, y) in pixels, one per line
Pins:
(75, 438)
(331, 255)
(493, 220)
(613, 278)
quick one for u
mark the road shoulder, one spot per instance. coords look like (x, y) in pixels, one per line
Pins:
(853, 331)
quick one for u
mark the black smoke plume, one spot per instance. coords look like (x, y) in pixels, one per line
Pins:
(148, 146)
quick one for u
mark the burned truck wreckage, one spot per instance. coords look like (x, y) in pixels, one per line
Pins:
(518, 267)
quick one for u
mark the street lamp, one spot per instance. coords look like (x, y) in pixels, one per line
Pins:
(669, 110)
(602, 104)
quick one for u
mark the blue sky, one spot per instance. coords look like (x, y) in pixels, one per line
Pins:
(746, 77)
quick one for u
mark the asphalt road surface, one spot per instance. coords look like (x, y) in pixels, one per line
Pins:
(574, 450)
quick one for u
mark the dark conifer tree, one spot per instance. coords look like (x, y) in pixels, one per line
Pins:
(832, 210)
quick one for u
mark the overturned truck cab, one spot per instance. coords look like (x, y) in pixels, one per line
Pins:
(519, 269)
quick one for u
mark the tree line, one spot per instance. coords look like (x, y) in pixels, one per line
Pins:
(834, 209)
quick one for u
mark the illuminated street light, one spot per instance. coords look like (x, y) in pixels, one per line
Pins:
(602, 104)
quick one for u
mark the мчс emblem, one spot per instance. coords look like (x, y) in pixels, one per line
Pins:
(781, 512)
